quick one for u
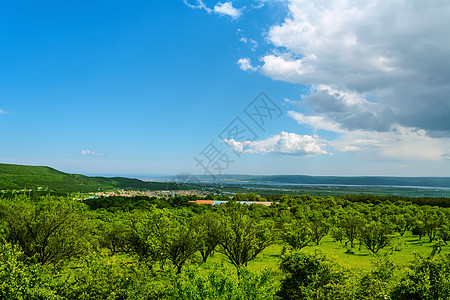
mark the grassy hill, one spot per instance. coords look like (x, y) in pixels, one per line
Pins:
(35, 177)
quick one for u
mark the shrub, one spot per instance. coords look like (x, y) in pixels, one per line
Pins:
(312, 276)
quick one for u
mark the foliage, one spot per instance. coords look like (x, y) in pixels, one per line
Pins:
(207, 227)
(374, 236)
(49, 230)
(149, 235)
(17, 279)
(374, 284)
(351, 224)
(319, 229)
(218, 284)
(296, 234)
(148, 248)
(312, 276)
(98, 277)
(428, 279)
(182, 244)
(241, 238)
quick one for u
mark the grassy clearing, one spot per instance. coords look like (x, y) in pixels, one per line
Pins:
(401, 252)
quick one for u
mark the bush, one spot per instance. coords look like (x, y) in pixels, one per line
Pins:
(220, 283)
(312, 276)
(17, 280)
(429, 279)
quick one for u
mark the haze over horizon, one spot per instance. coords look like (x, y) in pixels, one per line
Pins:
(350, 88)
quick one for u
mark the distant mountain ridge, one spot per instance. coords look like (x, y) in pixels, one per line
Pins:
(40, 177)
(14, 176)
(443, 182)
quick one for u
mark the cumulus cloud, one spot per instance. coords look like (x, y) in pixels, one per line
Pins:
(372, 65)
(400, 143)
(90, 153)
(316, 122)
(246, 65)
(224, 9)
(227, 8)
(284, 143)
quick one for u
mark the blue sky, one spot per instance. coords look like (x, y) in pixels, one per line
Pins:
(143, 87)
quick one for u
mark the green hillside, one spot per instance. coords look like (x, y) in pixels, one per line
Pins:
(35, 177)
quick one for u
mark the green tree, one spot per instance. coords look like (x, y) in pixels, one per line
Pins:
(48, 230)
(351, 224)
(207, 227)
(114, 233)
(374, 236)
(312, 276)
(432, 220)
(319, 229)
(17, 279)
(296, 234)
(373, 285)
(444, 232)
(182, 244)
(150, 233)
(338, 234)
(428, 280)
(241, 238)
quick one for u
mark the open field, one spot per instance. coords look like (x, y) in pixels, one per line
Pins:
(361, 261)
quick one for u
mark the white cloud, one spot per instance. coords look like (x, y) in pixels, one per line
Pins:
(284, 143)
(2, 112)
(348, 148)
(258, 5)
(223, 9)
(292, 102)
(400, 143)
(246, 65)
(391, 55)
(227, 8)
(316, 122)
(246, 40)
(285, 68)
(90, 153)
(199, 5)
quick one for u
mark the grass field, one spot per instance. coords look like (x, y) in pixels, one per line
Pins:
(401, 252)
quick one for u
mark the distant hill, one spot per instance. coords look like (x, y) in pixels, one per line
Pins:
(443, 182)
(35, 177)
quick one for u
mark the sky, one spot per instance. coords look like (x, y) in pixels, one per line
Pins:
(138, 88)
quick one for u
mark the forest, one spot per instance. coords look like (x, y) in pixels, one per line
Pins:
(299, 247)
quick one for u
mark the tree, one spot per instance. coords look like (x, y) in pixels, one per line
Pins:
(400, 223)
(48, 230)
(444, 232)
(182, 244)
(373, 285)
(351, 225)
(312, 276)
(375, 236)
(429, 279)
(319, 229)
(19, 280)
(207, 228)
(296, 234)
(431, 222)
(114, 234)
(150, 232)
(338, 234)
(418, 229)
(241, 238)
